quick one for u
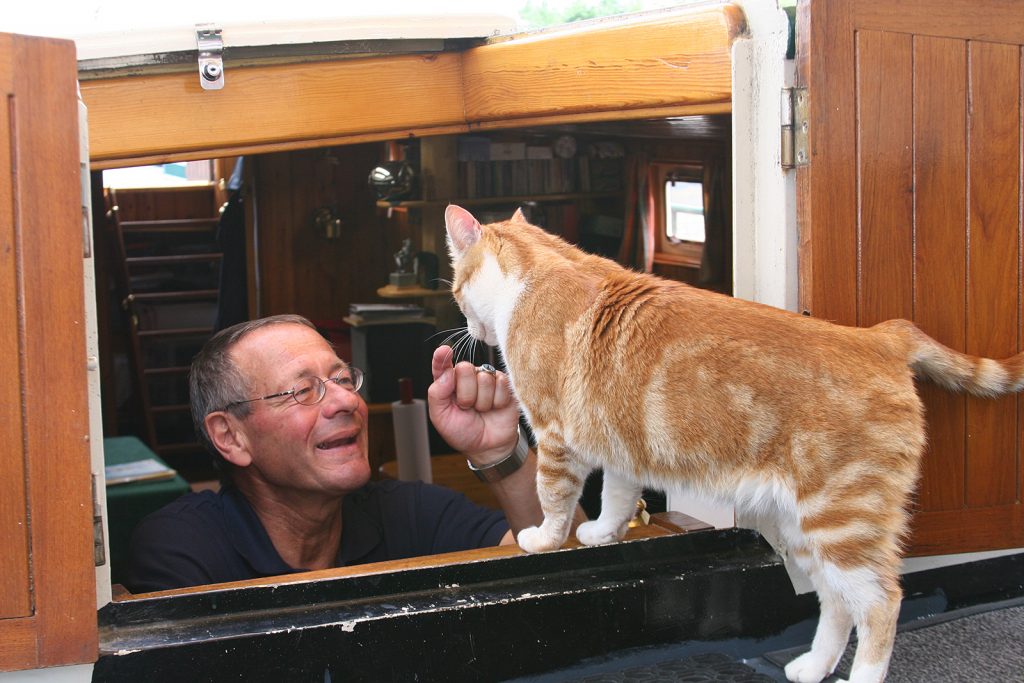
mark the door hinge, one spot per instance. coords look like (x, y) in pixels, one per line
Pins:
(795, 140)
(99, 549)
(211, 61)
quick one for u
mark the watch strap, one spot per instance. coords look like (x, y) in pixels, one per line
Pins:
(497, 471)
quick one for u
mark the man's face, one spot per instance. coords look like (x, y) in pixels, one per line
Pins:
(302, 448)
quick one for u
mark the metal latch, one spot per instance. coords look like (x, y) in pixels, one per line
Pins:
(795, 137)
(211, 62)
(99, 549)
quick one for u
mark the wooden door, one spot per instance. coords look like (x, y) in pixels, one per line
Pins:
(911, 208)
(48, 589)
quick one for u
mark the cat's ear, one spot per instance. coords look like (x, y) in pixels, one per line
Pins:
(518, 217)
(463, 230)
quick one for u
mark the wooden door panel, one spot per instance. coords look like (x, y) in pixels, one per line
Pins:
(993, 257)
(940, 251)
(885, 169)
(50, 608)
(919, 122)
(15, 596)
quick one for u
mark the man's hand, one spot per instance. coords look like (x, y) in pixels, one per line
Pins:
(474, 412)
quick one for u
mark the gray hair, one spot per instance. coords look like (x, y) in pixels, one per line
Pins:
(214, 381)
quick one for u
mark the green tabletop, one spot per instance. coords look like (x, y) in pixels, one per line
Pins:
(128, 503)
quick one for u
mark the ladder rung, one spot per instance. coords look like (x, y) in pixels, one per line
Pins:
(185, 295)
(176, 332)
(171, 225)
(171, 408)
(159, 372)
(176, 448)
(172, 260)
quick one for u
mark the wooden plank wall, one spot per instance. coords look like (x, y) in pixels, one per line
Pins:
(939, 234)
(167, 203)
(48, 599)
(301, 271)
(914, 210)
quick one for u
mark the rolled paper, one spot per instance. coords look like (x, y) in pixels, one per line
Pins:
(412, 445)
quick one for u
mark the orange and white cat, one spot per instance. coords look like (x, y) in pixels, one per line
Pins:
(814, 427)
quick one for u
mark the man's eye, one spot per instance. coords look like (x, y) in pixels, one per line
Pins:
(300, 392)
(344, 380)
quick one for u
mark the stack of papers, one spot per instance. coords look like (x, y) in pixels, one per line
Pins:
(360, 314)
(140, 470)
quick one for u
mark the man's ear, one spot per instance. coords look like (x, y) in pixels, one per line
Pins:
(228, 438)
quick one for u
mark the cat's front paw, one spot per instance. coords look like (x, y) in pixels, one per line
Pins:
(808, 668)
(598, 533)
(534, 540)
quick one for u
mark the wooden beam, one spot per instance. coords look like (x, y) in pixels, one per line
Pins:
(669, 64)
(270, 106)
(678, 59)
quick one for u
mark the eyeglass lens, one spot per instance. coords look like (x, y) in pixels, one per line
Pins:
(310, 390)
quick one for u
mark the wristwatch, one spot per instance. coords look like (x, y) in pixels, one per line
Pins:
(495, 472)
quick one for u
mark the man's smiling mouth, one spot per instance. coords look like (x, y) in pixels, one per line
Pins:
(336, 443)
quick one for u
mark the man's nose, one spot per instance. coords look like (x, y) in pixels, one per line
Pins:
(338, 399)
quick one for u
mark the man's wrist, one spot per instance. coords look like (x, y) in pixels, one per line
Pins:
(503, 467)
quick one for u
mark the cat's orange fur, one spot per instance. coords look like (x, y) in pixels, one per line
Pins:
(814, 427)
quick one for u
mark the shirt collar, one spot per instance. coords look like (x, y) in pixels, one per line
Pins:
(249, 537)
(362, 530)
(361, 533)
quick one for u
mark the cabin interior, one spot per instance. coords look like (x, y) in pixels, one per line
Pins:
(646, 180)
(320, 231)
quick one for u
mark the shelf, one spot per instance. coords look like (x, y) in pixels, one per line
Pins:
(392, 292)
(356, 321)
(486, 201)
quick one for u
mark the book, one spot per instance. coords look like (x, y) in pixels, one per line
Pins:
(149, 469)
(371, 311)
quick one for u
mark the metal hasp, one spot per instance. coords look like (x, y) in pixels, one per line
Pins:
(795, 139)
(211, 62)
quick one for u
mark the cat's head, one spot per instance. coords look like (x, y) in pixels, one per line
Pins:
(487, 278)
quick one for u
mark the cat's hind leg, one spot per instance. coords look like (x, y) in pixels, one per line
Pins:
(869, 596)
(832, 634)
(619, 496)
(560, 479)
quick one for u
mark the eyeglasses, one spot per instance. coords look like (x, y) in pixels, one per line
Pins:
(309, 391)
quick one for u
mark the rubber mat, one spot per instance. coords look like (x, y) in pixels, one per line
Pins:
(706, 668)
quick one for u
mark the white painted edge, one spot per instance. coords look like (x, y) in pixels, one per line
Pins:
(178, 36)
(764, 196)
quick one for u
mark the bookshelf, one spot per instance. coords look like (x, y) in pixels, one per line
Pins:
(492, 201)
(393, 292)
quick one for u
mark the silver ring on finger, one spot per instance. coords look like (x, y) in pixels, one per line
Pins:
(488, 368)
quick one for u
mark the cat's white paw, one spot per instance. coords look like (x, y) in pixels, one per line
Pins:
(534, 540)
(868, 674)
(597, 533)
(808, 668)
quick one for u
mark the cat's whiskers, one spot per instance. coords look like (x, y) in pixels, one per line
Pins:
(462, 343)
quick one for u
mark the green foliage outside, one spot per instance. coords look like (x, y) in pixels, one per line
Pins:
(540, 14)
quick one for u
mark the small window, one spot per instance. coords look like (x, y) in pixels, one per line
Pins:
(679, 203)
(176, 174)
(684, 209)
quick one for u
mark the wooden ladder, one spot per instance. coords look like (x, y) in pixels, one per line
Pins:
(167, 274)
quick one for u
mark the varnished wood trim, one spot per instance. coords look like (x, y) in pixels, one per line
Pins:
(967, 530)
(152, 116)
(46, 178)
(675, 59)
(18, 644)
(440, 560)
(996, 21)
(674, 64)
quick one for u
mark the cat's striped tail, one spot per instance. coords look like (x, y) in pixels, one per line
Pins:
(953, 370)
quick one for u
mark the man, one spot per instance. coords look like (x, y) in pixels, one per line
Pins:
(281, 411)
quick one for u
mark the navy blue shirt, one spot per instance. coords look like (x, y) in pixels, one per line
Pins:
(212, 537)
